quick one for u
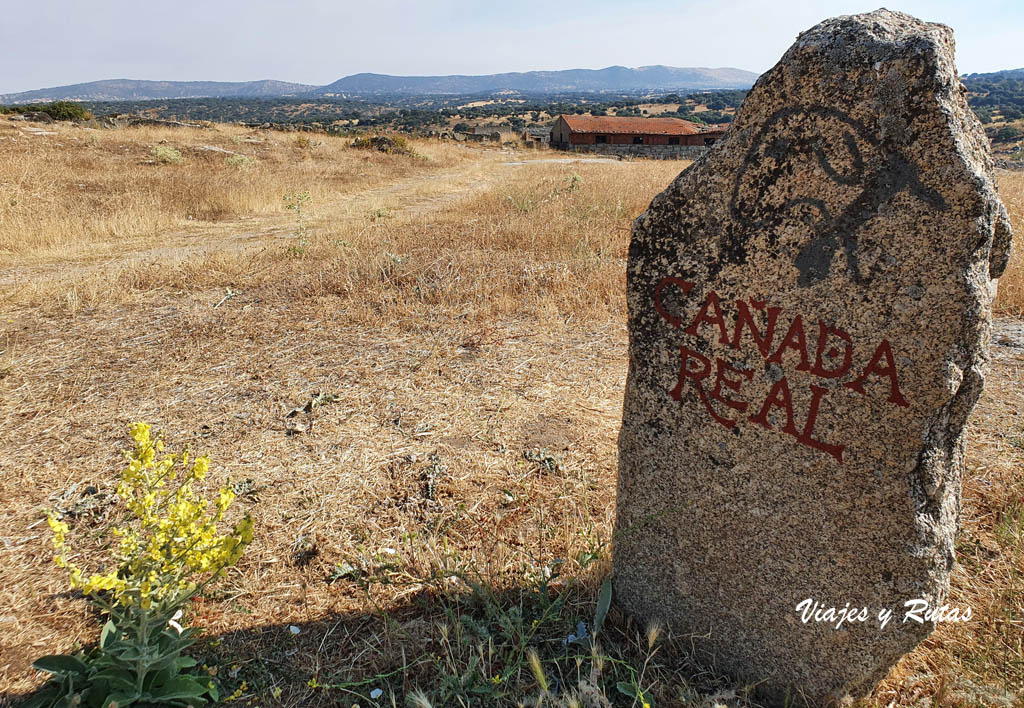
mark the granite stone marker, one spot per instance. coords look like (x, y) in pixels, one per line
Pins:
(809, 312)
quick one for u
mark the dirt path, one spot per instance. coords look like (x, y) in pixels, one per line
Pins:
(410, 197)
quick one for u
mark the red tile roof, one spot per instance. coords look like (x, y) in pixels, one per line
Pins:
(633, 126)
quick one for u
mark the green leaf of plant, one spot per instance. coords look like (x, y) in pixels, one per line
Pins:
(109, 632)
(604, 601)
(181, 687)
(169, 643)
(127, 653)
(120, 700)
(161, 673)
(118, 678)
(213, 691)
(60, 664)
(626, 688)
(185, 662)
(101, 660)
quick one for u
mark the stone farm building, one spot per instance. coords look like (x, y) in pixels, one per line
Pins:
(536, 136)
(489, 134)
(621, 135)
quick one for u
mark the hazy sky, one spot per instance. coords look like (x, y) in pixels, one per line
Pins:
(55, 42)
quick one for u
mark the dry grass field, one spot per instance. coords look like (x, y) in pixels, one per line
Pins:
(416, 387)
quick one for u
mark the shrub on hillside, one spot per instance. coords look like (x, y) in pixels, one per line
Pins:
(1007, 133)
(304, 142)
(166, 155)
(60, 110)
(67, 110)
(242, 162)
(396, 145)
(984, 115)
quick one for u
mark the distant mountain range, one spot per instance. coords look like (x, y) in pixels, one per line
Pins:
(133, 90)
(610, 79)
(996, 75)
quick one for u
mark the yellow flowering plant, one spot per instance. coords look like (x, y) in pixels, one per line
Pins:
(168, 550)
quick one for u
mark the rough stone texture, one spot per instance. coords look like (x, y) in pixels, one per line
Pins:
(853, 191)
